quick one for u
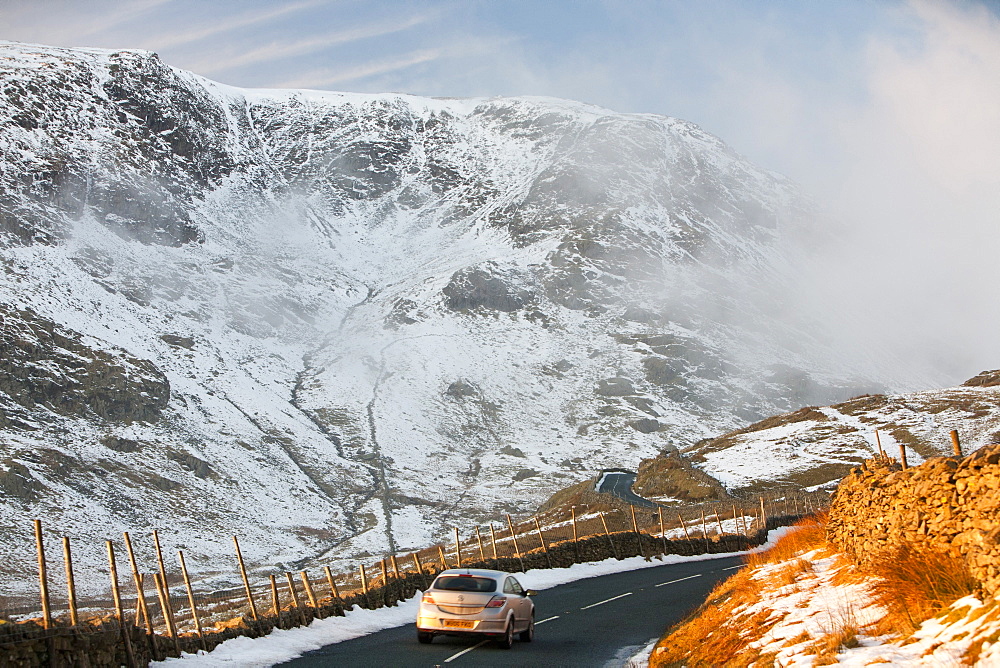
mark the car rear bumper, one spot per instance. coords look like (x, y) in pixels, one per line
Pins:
(480, 627)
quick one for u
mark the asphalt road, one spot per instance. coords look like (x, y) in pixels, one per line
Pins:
(594, 622)
(620, 484)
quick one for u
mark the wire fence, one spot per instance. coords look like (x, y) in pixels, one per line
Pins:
(138, 616)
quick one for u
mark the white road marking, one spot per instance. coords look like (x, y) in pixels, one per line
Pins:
(662, 584)
(547, 620)
(594, 605)
(465, 651)
(732, 568)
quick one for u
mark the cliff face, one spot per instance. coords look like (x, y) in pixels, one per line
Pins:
(339, 323)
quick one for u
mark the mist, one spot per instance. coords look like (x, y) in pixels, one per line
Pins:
(912, 191)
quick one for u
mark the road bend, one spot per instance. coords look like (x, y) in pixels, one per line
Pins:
(599, 621)
(620, 485)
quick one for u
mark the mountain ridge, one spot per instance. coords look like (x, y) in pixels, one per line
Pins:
(377, 315)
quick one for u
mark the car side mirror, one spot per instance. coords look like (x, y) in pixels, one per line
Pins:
(530, 592)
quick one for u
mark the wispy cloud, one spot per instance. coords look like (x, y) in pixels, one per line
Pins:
(465, 50)
(77, 25)
(283, 50)
(329, 77)
(236, 23)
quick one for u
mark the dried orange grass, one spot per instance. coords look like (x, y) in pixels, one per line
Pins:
(809, 534)
(717, 635)
(915, 585)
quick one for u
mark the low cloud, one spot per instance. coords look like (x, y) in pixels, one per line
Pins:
(914, 188)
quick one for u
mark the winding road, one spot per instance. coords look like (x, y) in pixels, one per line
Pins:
(620, 485)
(599, 621)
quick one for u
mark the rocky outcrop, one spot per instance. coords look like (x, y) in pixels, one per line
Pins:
(945, 504)
(984, 379)
(482, 287)
(46, 366)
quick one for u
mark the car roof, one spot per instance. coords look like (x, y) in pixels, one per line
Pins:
(476, 572)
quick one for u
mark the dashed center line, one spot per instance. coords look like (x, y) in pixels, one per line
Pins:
(663, 584)
(549, 619)
(465, 651)
(594, 605)
(732, 568)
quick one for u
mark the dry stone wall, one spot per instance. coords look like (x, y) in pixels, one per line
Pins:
(946, 503)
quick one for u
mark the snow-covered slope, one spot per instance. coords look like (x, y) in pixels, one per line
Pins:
(817, 446)
(339, 323)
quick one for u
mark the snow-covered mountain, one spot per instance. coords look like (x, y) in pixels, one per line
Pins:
(337, 324)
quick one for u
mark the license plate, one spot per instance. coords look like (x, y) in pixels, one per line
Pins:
(459, 624)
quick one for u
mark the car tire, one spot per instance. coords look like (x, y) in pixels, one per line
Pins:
(424, 638)
(528, 634)
(507, 641)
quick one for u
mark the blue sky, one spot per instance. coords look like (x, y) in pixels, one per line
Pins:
(887, 111)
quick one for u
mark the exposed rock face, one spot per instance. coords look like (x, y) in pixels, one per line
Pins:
(483, 288)
(945, 504)
(985, 379)
(45, 366)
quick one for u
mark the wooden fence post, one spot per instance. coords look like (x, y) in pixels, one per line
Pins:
(246, 580)
(663, 533)
(458, 549)
(878, 442)
(956, 445)
(479, 539)
(334, 593)
(70, 584)
(493, 535)
(718, 519)
(736, 521)
(117, 595)
(576, 537)
(704, 531)
(275, 601)
(684, 527)
(444, 561)
(168, 613)
(295, 598)
(420, 569)
(43, 577)
(545, 548)
(763, 515)
(638, 536)
(310, 594)
(608, 534)
(902, 456)
(395, 567)
(194, 608)
(513, 535)
(141, 605)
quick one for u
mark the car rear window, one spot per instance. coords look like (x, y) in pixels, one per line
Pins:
(465, 583)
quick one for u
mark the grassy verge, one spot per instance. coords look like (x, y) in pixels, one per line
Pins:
(755, 617)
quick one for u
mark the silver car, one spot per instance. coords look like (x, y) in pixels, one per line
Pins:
(475, 602)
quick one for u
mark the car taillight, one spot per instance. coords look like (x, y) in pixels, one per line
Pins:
(496, 602)
(427, 598)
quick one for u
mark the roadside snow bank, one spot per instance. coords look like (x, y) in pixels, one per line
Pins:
(286, 644)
